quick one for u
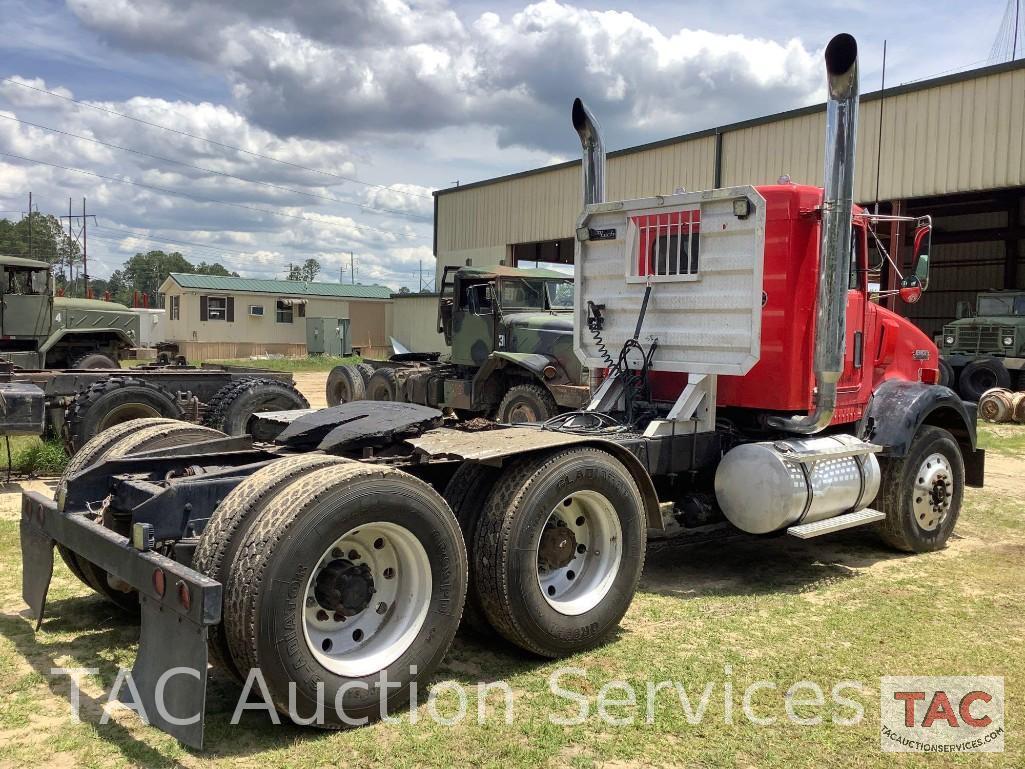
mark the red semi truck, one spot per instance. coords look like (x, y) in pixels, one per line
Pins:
(750, 386)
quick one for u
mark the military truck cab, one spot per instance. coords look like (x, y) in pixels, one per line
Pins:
(40, 330)
(986, 348)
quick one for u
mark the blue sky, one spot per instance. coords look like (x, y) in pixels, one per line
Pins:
(399, 98)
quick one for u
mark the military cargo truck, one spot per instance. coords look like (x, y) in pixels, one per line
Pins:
(512, 359)
(41, 331)
(986, 348)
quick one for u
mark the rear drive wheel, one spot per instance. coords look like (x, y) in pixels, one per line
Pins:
(233, 406)
(143, 435)
(466, 493)
(981, 375)
(383, 385)
(95, 360)
(559, 550)
(921, 493)
(526, 403)
(230, 522)
(113, 401)
(345, 384)
(366, 370)
(349, 573)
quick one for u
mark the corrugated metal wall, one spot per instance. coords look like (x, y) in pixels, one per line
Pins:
(957, 134)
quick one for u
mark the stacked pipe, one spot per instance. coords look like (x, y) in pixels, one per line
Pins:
(1001, 405)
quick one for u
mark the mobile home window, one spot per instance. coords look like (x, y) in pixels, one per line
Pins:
(176, 306)
(216, 308)
(284, 312)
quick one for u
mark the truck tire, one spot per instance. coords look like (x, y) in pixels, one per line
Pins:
(366, 370)
(113, 401)
(526, 403)
(921, 493)
(229, 523)
(234, 405)
(981, 375)
(94, 450)
(144, 435)
(384, 385)
(345, 384)
(466, 493)
(95, 360)
(348, 572)
(947, 377)
(559, 550)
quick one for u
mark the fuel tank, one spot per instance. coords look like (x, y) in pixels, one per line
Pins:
(768, 486)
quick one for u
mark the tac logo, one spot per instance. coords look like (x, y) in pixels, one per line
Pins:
(942, 714)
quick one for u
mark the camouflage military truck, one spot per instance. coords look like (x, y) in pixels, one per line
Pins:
(986, 349)
(512, 359)
(39, 330)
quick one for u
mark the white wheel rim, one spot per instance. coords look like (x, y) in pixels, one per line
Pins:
(585, 529)
(373, 638)
(932, 492)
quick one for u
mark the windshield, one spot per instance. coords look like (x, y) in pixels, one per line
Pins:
(522, 293)
(990, 306)
(25, 281)
(560, 294)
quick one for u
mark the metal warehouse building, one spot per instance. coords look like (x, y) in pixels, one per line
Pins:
(953, 147)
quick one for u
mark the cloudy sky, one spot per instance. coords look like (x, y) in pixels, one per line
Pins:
(260, 132)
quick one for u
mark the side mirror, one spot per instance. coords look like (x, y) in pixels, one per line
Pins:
(922, 249)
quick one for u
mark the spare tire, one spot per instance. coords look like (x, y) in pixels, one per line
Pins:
(384, 385)
(235, 404)
(981, 375)
(345, 384)
(111, 402)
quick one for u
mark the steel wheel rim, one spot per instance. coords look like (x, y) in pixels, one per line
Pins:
(588, 520)
(125, 412)
(373, 638)
(932, 492)
(521, 412)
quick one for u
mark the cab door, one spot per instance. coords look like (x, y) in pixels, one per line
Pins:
(857, 307)
(26, 304)
(473, 322)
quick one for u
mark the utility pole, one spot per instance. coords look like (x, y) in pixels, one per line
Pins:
(83, 239)
(352, 267)
(30, 225)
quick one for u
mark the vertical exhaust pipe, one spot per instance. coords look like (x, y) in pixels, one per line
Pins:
(591, 141)
(835, 246)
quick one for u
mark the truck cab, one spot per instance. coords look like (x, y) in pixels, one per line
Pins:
(986, 347)
(40, 330)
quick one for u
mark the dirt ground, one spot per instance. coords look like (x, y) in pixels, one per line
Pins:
(312, 384)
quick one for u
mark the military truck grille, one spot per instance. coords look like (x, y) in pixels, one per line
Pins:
(982, 339)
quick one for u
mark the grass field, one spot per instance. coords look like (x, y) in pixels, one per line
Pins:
(312, 363)
(841, 608)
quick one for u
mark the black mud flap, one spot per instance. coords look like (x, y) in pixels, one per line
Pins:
(178, 606)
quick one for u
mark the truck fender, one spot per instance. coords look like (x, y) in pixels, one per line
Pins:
(533, 363)
(114, 333)
(898, 408)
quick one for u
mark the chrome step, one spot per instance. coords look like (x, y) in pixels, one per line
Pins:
(838, 523)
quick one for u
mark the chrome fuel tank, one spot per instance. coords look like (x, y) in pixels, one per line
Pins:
(765, 487)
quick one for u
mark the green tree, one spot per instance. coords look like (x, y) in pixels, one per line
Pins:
(306, 272)
(39, 236)
(216, 268)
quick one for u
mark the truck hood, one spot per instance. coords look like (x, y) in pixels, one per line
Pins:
(75, 303)
(540, 321)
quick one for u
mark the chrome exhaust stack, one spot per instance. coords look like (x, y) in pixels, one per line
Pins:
(587, 128)
(835, 247)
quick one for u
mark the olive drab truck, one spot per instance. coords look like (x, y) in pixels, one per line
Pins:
(40, 330)
(985, 348)
(750, 388)
(512, 359)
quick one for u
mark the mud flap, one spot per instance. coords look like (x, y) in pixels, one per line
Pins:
(170, 673)
(178, 606)
(36, 566)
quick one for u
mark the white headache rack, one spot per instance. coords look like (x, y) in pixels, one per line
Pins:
(701, 254)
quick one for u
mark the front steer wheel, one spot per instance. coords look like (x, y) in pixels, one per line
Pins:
(921, 493)
(559, 550)
(348, 575)
(526, 403)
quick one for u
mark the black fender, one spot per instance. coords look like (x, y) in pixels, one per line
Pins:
(898, 409)
(485, 390)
